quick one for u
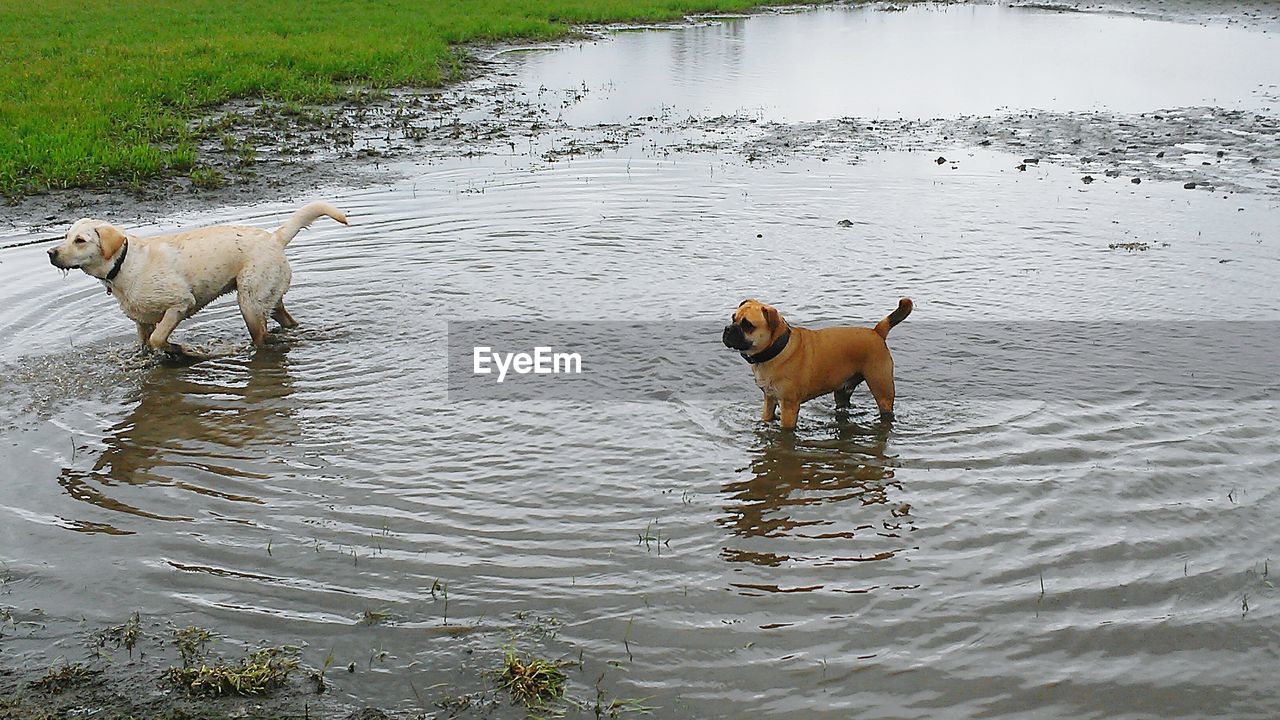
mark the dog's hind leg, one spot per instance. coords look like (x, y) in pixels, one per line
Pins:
(282, 316)
(880, 382)
(255, 319)
(845, 391)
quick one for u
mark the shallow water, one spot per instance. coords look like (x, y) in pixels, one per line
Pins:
(992, 556)
(922, 62)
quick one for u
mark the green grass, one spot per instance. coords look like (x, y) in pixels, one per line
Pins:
(257, 673)
(94, 92)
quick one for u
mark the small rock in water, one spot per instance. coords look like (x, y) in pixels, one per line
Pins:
(1087, 179)
(1136, 181)
(1255, 161)
(1221, 153)
(1032, 161)
(1112, 173)
(1160, 154)
(941, 160)
(845, 223)
(1021, 167)
(1189, 186)
(984, 143)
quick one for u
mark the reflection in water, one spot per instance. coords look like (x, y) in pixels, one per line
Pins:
(801, 489)
(189, 423)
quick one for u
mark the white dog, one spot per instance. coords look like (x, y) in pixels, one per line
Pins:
(162, 280)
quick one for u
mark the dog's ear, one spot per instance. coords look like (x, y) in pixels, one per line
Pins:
(744, 302)
(771, 318)
(111, 239)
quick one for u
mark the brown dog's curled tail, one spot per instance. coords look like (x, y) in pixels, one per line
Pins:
(304, 217)
(895, 317)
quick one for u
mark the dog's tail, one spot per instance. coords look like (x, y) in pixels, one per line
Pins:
(304, 217)
(904, 309)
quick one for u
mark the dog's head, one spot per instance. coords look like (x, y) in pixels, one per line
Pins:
(89, 245)
(755, 326)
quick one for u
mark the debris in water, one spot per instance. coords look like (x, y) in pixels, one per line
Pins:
(1130, 246)
(531, 681)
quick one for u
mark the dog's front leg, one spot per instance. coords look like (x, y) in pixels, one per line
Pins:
(790, 413)
(159, 339)
(144, 333)
(770, 404)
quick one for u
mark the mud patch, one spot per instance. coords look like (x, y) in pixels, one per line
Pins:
(1209, 148)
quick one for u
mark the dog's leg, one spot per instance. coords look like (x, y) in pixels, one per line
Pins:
(845, 391)
(282, 316)
(159, 339)
(144, 333)
(255, 319)
(880, 382)
(790, 413)
(769, 405)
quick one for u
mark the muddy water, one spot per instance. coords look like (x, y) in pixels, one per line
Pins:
(986, 556)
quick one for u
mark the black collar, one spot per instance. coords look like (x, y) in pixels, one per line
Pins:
(115, 268)
(770, 352)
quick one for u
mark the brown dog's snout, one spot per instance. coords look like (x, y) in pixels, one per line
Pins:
(733, 337)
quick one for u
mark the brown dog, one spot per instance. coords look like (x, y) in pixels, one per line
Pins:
(794, 364)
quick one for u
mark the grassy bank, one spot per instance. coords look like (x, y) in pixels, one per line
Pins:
(102, 91)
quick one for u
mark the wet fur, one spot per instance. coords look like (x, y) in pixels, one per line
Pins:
(165, 279)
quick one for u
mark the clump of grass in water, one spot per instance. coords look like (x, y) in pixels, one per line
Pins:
(255, 674)
(191, 642)
(125, 635)
(61, 677)
(531, 681)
